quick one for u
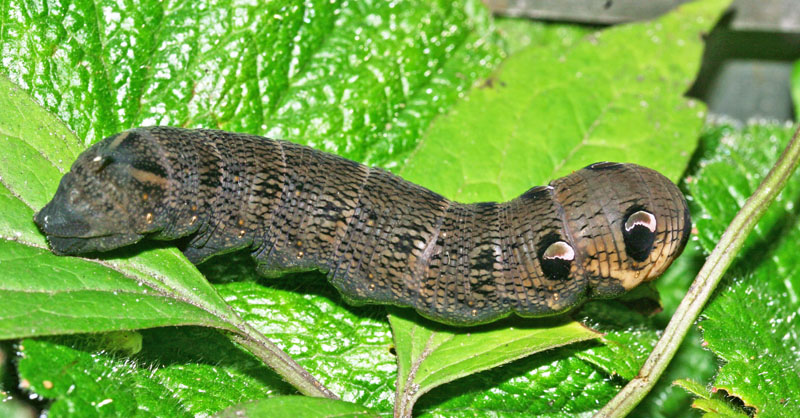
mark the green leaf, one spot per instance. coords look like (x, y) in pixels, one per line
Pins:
(713, 404)
(62, 295)
(520, 34)
(544, 114)
(752, 322)
(430, 354)
(297, 407)
(348, 348)
(363, 79)
(617, 95)
(554, 384)
(173, 375)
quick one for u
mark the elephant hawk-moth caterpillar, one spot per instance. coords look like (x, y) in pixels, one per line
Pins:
(595, 233)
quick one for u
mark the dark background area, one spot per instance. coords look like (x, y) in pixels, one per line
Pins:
(748, 60)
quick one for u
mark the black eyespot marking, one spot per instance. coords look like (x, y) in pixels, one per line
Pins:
(639, 233)
(556, 257)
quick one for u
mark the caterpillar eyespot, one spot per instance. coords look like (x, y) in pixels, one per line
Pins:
(595, 233)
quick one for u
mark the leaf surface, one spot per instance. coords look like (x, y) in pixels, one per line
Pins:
(752, 323)
(298, 407)
(45, 294)
(617, 95)
(430, 355)
(363, 79)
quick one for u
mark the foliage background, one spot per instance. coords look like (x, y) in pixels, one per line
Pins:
(473, 107)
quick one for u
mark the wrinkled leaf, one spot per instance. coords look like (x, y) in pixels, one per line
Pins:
(297, 407)
(553, 384)
(362, 79)
(347, 348)
(180, 372)
(752, 323)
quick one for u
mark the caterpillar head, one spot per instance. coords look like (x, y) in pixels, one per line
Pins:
(627, 223)
(112, 196)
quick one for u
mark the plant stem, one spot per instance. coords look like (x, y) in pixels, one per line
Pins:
(707, 280)
(281, 363)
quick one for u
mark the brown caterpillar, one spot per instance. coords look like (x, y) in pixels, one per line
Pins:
(597, 233)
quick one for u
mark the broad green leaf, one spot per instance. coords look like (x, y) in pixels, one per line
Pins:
(615, 95)
(362, 78)
(752, 322)
(297, 407)
(430, 355)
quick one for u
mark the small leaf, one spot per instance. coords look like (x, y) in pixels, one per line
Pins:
(430, 355)
(712, 403)
(297, 407)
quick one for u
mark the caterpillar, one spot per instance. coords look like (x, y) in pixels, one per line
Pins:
(595, 233)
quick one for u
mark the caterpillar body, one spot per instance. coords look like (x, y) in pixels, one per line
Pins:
(595, 233)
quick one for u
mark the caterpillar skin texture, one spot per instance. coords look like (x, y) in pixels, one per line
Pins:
(596, 233)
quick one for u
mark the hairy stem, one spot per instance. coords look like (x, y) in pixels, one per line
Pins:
(707, 280)
(281, 363)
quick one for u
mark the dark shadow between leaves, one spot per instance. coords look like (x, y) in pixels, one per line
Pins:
(182, 346)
